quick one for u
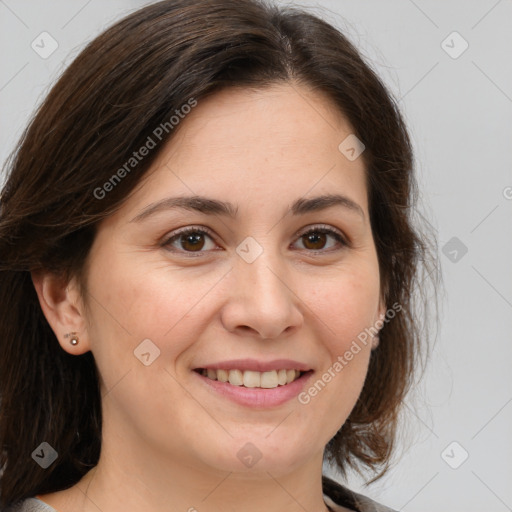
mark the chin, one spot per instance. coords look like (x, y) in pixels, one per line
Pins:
(258, 454)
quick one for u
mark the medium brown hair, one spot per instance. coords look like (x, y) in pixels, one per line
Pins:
(120, 88)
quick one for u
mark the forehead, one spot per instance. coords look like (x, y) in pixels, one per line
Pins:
(258, 146)
(281, 115)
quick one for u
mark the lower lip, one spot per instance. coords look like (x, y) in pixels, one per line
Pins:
(257, 397)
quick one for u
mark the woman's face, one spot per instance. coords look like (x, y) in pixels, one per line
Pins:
(252, 294)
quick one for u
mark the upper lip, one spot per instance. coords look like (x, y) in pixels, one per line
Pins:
(256, 366)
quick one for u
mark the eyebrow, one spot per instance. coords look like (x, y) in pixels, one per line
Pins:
(210, 206)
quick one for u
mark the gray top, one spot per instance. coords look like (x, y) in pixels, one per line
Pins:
(339, 496)
(30, 505)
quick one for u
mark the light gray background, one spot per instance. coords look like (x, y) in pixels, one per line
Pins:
(459, 112)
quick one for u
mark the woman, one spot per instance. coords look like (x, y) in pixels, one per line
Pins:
(207, 270)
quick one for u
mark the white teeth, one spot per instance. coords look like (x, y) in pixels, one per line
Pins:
(252, 379)
(222, 375)
(281, 377)
(269, 379)
(290, 376)
(236, 377)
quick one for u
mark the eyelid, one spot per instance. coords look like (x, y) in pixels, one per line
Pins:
(320, 227)
(193, 228)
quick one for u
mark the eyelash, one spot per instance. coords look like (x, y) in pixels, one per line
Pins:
(323, 229)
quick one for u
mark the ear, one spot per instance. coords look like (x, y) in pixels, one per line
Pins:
(62, 307)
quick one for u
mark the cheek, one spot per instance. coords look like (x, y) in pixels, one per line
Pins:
(347, 305)
(132, 301)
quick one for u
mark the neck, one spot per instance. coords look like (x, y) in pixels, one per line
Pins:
(146, 482)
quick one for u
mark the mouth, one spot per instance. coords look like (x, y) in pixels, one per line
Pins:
(251, 388)
(253, 379)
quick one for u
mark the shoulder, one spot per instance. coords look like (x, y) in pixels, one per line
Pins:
(337, 493)
(340, 495)
(30, 505)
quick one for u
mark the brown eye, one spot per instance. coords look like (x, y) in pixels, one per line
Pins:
(188, 240)
(192, 242)
(316, 239)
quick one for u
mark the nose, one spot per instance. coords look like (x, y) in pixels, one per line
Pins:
(262, 301)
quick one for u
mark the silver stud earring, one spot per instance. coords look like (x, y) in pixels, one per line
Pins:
(74, 338)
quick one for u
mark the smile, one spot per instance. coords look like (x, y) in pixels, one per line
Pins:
(252, 379)
(251, 388)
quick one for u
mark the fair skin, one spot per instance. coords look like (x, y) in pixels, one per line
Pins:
(170, 442)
